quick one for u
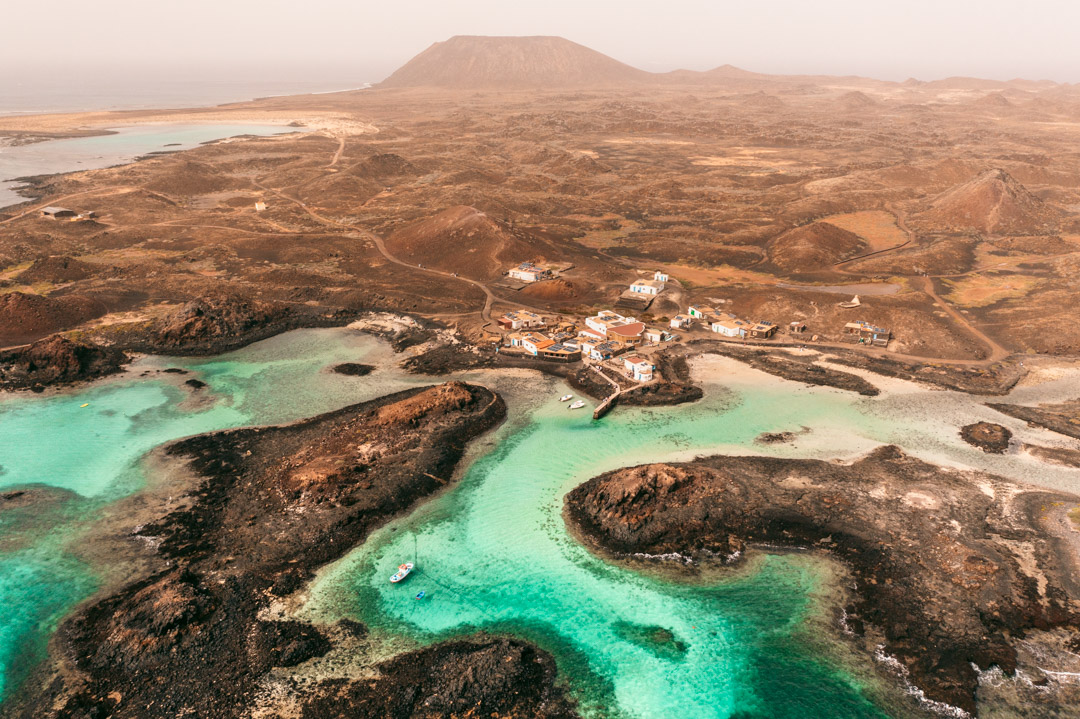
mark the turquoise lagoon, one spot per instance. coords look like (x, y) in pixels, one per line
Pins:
(493, 551)
(494, 554)
(89, 457)
(123, 145)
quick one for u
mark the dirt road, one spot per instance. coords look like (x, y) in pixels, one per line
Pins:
(490, 297)
(997, 352)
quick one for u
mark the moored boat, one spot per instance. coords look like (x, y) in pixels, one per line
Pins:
(577, 405)
(566, 398)
(421, 595)
(402, 572)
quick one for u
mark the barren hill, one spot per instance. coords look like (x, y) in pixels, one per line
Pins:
(993, 99)
(812, 247)
(992, 203)
(464, 240)
(854, 101)
(763, 101)
(507, 63)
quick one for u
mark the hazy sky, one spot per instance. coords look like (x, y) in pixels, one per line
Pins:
(360, 40)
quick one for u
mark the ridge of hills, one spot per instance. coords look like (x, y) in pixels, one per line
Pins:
(477, 62)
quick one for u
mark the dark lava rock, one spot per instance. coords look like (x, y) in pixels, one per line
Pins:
(208, 322)
(271, 505)
(495, 678)
(285, 644)
(195, 384)
(449, 358)
(932, 551)
(1061, 417)
(990, 438)
(214, 325)
(660, 393)
(791, 367)
(353, 369)
(775, 437)
(57, 360)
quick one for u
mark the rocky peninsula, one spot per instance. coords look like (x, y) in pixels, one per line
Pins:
(267, 507)
(952, 568)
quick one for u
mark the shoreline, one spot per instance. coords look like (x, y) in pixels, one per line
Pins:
(78, 124)
(167, 533)
(746, 502)
(194, 104)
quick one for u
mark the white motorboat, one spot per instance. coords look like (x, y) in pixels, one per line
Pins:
(403, 571)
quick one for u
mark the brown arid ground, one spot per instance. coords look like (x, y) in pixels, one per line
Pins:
(951, 208)
(418, 199)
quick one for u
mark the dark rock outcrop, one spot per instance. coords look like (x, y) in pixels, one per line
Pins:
(660, 393)
(497, 678)
(57, 360)
(1063, 417)
(990, 438)
(213, 325)
(951, 567)
(353, 369)
(791, 367)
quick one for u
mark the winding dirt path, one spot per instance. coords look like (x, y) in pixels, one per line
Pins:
(337, 155)
(489, 297)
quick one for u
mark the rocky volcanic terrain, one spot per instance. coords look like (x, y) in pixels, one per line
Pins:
(270, 507)
(754, 189)
(951, 207)
(951, 568)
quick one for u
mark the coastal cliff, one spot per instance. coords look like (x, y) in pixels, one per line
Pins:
(952, 568)
(269, 507)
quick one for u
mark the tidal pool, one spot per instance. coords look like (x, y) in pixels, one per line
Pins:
(123, 145)
(493, 551)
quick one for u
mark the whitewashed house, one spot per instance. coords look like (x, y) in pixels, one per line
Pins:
(731, 327)
(605, 320)
(528, 272)
(638, 368)
(654, 334)
(647, 287)
(701, 312)
(681, 322)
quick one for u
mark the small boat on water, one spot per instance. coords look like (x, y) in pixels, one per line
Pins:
(577, 405)
(566, 398)
(421, 595)
(402, 572)
(84, 405)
